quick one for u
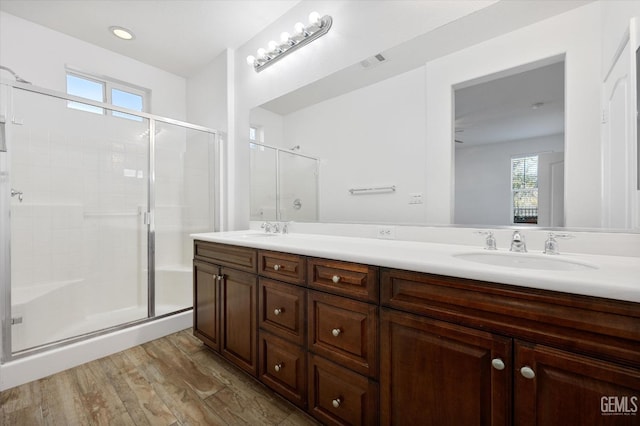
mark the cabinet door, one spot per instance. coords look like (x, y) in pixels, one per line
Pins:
(344, 331)
(561, 388)
(283, 367)
(338, 396)
(239, 294)
(282, 310)
(436, 373)
(206, 314)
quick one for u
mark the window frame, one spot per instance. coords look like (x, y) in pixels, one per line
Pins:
(108, 85)
(513, 191)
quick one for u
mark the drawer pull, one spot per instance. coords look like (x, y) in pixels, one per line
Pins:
(336, 402)
(336, 332)
(278, 367)
(278, 311)
(497, 363)
(277, 267)
(336, 279)
(527, 372)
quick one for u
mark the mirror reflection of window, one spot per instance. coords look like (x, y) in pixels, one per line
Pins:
(524, 186)
(514, 115)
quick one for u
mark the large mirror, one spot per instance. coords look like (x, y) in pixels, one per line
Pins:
(500, 133)
(509, 149)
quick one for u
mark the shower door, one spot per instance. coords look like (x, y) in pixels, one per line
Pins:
(78, 218)
(183, 199)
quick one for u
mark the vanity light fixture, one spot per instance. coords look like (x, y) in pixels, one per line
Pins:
(122, 33)
(304, 34)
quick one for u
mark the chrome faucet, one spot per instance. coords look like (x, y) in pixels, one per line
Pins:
(275, 227)
(551, 245)
(517, 242)
(490, 241)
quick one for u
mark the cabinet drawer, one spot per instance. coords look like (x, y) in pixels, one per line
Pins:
(283, 367)
(282, 266)
(339, 396)
(344, 278)
(345, 331)
(242, 258)
(282, 309)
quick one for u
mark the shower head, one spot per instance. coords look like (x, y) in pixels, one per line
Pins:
(16, 76)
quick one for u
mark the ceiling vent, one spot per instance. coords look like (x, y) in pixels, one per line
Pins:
(373, 61)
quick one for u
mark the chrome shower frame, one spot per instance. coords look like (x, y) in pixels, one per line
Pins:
(217, 208)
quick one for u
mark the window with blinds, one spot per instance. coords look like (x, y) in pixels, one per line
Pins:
(524, 189)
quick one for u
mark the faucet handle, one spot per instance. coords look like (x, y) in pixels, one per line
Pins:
(490, 241)
(551, 245)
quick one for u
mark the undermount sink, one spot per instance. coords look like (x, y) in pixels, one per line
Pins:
(525, 261)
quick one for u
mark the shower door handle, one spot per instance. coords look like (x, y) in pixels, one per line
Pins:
(18, 193)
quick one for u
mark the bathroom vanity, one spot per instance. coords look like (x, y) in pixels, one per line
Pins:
(364, 331)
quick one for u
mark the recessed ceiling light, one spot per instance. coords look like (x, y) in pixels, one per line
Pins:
(122, 33)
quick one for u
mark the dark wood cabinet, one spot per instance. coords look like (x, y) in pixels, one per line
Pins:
(338, 396)
(345, 331)
(436, 373)
(239, 325)
(283, 367)
(574, 359)
(225, 301)
(285, 267)
(206, 306)
(344, 278)
(559, 388)
(361, 345)
(282, 310)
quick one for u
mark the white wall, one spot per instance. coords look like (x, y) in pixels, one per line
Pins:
(483, 178)
(40, 55)
(270, 127)
(575, 34)
(207, 95)
(371, 137)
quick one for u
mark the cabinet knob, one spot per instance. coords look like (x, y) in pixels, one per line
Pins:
(497, 363)
(278, 311)
(276, 267)
(336, 332)
(215, 277)
(278, 367)
(220, 277)
(527, 372)
(336, 279)
(336, 402)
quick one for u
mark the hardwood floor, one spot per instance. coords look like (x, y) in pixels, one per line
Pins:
(174, 380)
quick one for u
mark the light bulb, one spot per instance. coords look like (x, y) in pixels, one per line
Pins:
(314, 18)
(284, 37)
(299, 27)
(251, 60)
(272, 45)
(262, 53)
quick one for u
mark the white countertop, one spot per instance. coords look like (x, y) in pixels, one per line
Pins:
(615, 277)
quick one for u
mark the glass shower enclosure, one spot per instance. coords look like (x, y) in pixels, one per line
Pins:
(284, 185)
(97, 208)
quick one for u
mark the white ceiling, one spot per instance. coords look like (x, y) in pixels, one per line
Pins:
(523, 105)
(179, 36)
